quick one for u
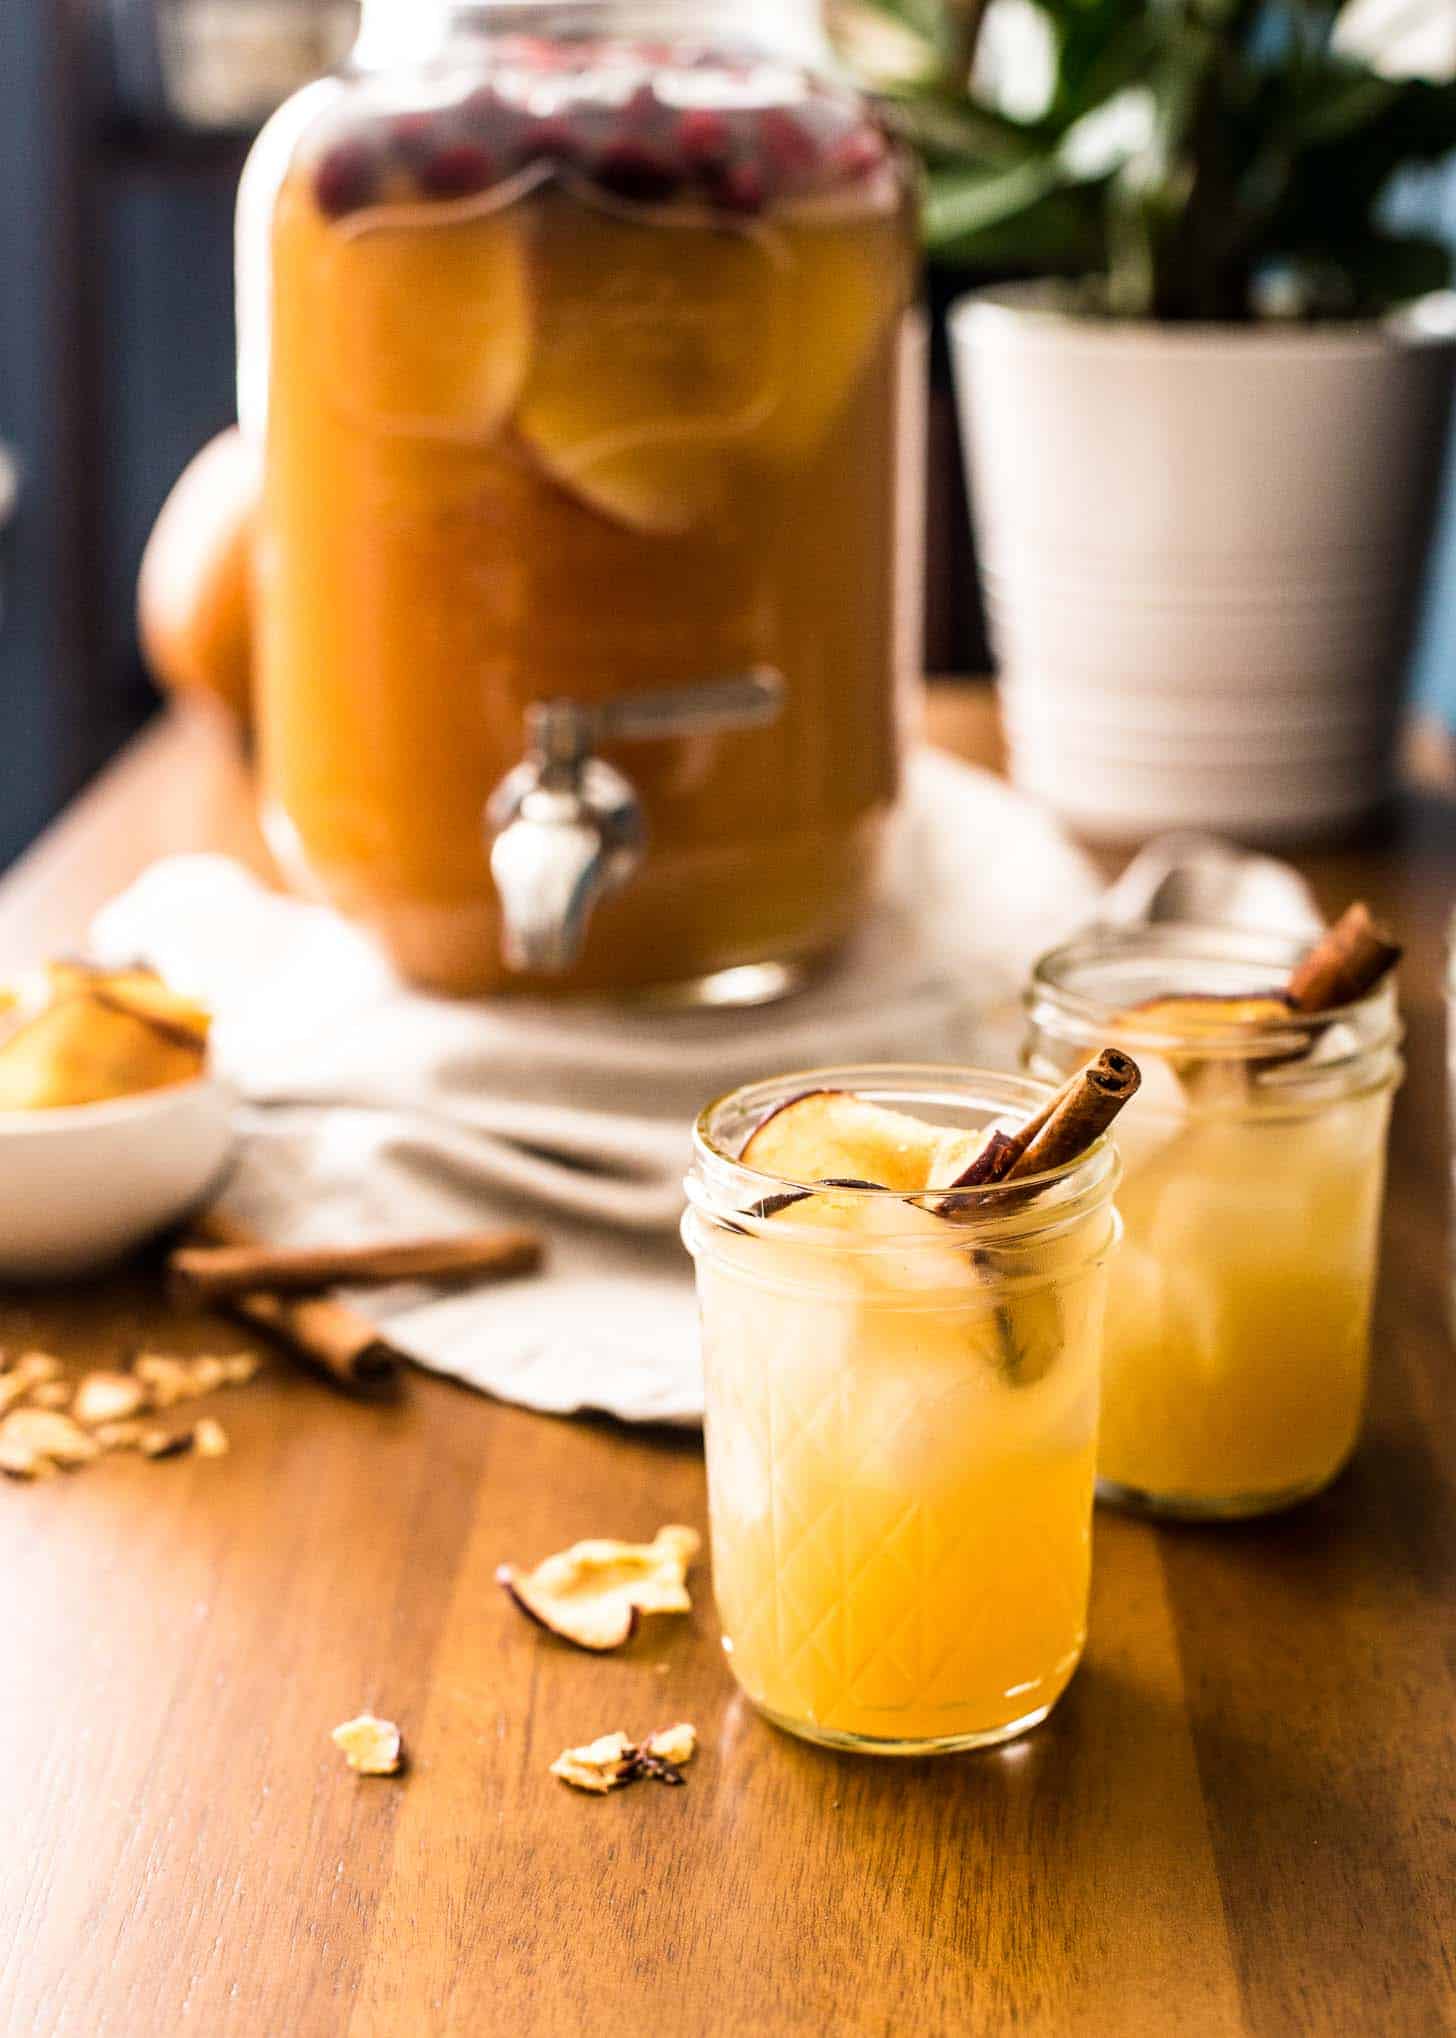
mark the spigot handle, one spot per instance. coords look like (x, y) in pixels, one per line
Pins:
(563, 732)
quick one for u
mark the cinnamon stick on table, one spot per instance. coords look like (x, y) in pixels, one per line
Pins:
(321, 1332)
(1345, 964)
(214, 1273)
(324, 1334)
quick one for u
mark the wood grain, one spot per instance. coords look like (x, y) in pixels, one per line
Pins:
(1238, 1822)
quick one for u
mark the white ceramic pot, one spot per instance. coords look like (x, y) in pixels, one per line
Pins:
(1201, 548)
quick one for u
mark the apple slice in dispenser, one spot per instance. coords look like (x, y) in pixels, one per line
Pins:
(658, 350)
(837, 307)
(432, 328)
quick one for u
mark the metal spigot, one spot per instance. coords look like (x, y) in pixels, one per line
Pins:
(566, 827)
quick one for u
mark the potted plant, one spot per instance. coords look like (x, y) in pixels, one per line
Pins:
(1203, 435)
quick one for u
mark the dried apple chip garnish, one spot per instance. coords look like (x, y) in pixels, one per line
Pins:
(823, 1134)
(1182, 1017)
(835, 1136)
(1346, 964)
(594, 1593)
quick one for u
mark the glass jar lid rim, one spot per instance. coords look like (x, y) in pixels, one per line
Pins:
(996, 1092)
(1191, 942)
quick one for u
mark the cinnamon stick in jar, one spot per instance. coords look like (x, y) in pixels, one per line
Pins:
(214, 1273)
(1076, 1116)
(1066, 1125)
(1345, 964)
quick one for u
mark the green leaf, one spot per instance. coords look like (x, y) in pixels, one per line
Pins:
(1340, 104)
(1062, 236)
(1385, 270)
(956, 130)
(960, 204)
(1268, 150)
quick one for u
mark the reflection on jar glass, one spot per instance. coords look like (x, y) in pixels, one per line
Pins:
(1238, 1333)
(571, 336)
(901, 1423)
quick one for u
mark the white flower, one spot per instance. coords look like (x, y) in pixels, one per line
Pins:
(1111, 135)
(1401, 38)
(1016, 61)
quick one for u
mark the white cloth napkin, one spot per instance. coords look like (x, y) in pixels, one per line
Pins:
(374, 1111)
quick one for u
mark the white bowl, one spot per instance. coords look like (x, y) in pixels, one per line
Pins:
(82, 1184)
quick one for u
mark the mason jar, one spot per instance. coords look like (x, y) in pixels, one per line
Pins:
(1238, 1333)
(569, 344)
(901, 1423)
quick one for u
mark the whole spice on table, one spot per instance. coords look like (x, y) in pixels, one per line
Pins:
(320, 1331)
(218, 1272)
(613, 1760)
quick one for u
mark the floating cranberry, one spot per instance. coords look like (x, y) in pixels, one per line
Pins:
(413, 137)
(539, 53)
(642, 109)
(704, 138)
(741, 188)
(553, 141)
(631, 170)
(860, 152)
(792, 152)
(457, 171)
(480, 110)
(345, 178)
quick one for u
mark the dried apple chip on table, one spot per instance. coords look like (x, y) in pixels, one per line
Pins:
(28, 1434)
(594, 1593)
(613, 1760)
(371, 1746)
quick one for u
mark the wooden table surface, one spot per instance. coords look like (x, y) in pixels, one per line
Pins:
(1240, 1819)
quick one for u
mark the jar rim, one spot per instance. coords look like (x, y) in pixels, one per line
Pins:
(722, 1188)
(1052, 998)
(386, 27)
